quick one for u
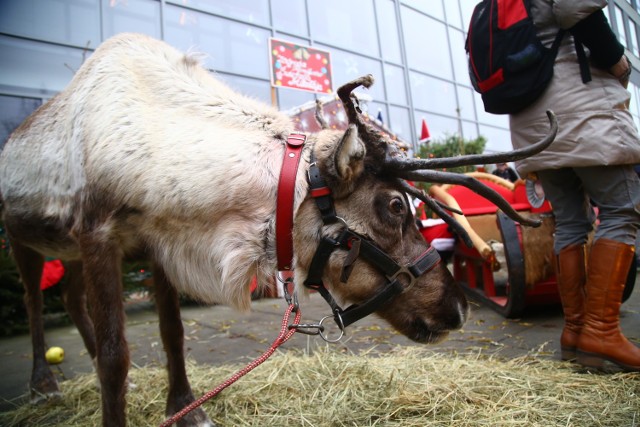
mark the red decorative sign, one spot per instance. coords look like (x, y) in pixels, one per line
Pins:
(300, 67)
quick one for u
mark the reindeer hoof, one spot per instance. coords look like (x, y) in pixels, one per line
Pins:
(196, 418)
(38, 398)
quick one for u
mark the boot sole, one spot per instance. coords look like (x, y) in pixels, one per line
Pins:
(597, 361)
(568, 354)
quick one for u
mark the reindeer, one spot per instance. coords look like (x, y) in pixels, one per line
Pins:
(146, 155)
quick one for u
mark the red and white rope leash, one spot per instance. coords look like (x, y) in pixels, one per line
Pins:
(285, 333)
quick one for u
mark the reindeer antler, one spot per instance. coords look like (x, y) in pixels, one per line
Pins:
(406, 164)
(319, 115)
(420, 169)
(375, 142)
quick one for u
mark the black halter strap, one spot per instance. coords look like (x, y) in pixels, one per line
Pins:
(367, 250)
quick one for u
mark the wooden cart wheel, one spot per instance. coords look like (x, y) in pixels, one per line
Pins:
(512, 303)
(503, 291)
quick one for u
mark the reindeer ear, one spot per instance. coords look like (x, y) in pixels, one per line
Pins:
(348, 157)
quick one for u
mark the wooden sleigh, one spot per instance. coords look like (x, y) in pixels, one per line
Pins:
(509, 267)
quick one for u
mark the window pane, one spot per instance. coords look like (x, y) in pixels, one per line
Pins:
(75, 22)
(439, 127)
(453, 13)
(254, 11)
(622, 35)
(230, 46)
(459, 56)
(497, 139)
(290, 16)
(432, 94)
(140, 16)
(469, 130)
(467, 104)
(633, 37)
(400, 124)
(395, 83)
(389, 34)
(291, 98)
(13, 111)
(432, 7)
(38, 66)
(425, 41)
(467, 11)
(348, 66)
(500, 120)
(256, 89)
(347, 24)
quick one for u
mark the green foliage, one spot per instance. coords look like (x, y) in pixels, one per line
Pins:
(452, 146)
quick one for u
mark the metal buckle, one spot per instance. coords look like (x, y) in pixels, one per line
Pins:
(404, 270)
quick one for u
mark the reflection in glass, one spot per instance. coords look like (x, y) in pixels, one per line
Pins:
(459, 56)
(252, 88)
(622, 34)
(440, 127)
(140, 16)
(633, 37)
(400, 123)
(13, 111)
(230, 46)
(348, 24)
(466, 101)
(431, 94)
(426, 44)
(253, 11)
(389, 34)
(454, 18)
(291, 98)
(469, 130)
(431, 7)
(290, 16)
(35, 66)
(75, 22)
(395, 83)
(497, 139)
(348, 66)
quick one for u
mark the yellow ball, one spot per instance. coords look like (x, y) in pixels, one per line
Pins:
(55, 355)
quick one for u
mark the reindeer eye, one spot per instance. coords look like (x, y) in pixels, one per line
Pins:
(396, 206)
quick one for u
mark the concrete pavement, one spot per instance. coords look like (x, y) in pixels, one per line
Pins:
(218, 335)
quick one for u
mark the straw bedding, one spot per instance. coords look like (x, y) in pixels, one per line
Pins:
(406, 387)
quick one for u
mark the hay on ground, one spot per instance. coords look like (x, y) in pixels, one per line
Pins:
(407, 387)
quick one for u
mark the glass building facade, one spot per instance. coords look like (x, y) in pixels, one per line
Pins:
(414, 49)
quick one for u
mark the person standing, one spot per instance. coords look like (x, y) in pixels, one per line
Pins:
(504, 171)
(592, 158)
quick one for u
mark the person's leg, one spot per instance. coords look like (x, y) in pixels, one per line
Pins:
(574, 218)
(616, 192)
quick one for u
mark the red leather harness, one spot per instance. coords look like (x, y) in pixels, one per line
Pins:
(284, 208)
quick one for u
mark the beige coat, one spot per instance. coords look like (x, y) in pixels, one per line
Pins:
(595, 127)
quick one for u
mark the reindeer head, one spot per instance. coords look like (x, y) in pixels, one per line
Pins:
(362, 242)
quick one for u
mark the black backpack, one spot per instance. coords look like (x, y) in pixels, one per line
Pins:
(508, 65)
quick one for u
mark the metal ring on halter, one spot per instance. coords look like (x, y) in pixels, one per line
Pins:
(288, 297)
(311, 165)
(326, 336)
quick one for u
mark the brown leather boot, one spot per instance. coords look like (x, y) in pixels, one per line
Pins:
(601, 339)
(571, 274)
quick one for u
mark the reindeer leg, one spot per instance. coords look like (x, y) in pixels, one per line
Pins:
(75, 301)
(172, 332)
(102, 261)
(43, 384)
